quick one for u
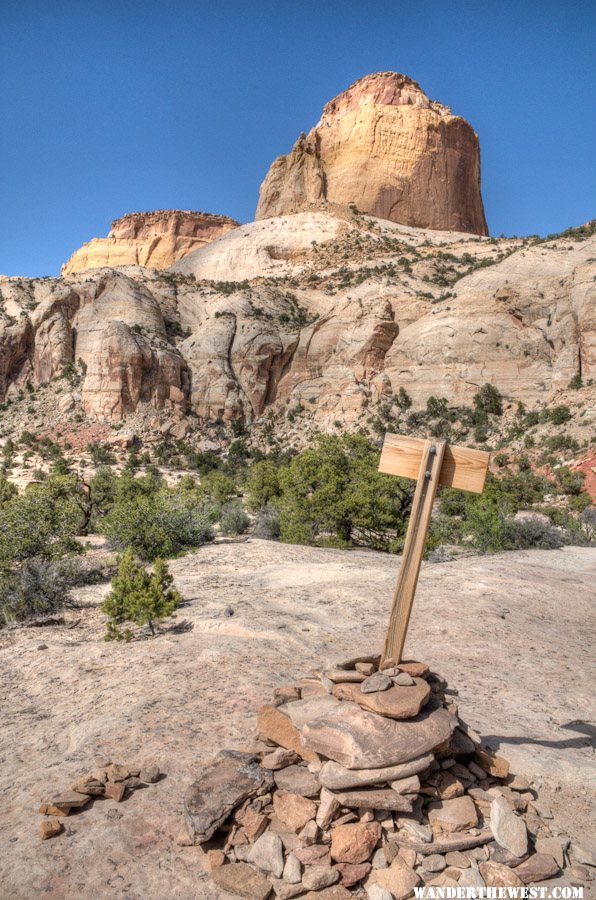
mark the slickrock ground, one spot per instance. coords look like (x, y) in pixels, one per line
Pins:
(385, 147)
(155, 239)
(511, 632)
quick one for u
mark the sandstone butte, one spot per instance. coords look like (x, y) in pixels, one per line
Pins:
(383, 146)
(156, 239)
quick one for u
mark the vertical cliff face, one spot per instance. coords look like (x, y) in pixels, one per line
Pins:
(156, 239)
(383, 146)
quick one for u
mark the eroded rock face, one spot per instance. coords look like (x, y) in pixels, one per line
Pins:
(156, 239)
(356, 309)
(383, 146)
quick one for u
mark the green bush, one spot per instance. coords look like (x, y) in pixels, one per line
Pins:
(576, 382)
(164, 523)
(533, 532)
(38, 587)
(559, 414)
(139, 596)
(219, 486)
(268, 525)
(489, 400)
(333, 495)
(233, 518)
(43, 522)
(263, 485)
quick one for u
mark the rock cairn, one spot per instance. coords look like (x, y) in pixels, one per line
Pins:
(367, 783)
(112, 781)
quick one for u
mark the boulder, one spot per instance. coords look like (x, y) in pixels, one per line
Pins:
(229, 780)
(509, 830)
(361, 740)
(242, 880)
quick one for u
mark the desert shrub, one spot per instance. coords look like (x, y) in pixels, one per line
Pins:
(333, 495)
(138, 596)
(576, 382)
(404, 401)
(489, 399)
(42, 522)
(219, 486)
(100, 455)
(163, 523)
(268, 525)
(559, 414)
(262, 485)
(569, 482)
(38, 587)
(533, 532)
(233, 518)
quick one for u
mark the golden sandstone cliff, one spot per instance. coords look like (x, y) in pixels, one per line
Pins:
(153, 239)
(384, 147)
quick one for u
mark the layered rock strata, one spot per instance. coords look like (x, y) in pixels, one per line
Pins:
(156, 239)
(385, 148)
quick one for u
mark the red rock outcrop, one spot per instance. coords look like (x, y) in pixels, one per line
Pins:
(156, 239)
(384, 147)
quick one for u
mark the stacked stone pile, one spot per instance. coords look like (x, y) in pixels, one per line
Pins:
(367, 783)
(112, 781)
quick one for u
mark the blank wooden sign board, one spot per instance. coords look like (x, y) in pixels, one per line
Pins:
(432, 463)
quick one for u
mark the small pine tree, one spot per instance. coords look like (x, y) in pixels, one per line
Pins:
(138, 596)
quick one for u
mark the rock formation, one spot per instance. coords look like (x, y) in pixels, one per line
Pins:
(421, 800)
(319, 315)
(384, 147)
(156, 239)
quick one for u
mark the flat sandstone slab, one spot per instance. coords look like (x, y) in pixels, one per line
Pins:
(396, 702)
(380, 798)
(361, 740)
(229, 780)
(336, 777)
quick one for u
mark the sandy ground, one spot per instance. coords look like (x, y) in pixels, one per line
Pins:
(514, 634)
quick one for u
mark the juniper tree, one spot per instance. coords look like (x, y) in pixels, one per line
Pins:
(139, 596)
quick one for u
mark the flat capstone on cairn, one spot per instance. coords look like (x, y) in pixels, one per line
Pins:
(365, 782)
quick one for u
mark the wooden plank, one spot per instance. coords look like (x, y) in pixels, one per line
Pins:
(428, 481)
(462, 468)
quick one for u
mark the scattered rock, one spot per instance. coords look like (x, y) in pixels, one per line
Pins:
(374, 798)
(328, 806)
(491, 763)
(50, 828)
(292, 872)
(297, 780)
(398, 879)
(354, 843)
(293, 810)
(338, 676)
(378, 892)
(287, 693)
(337, 777)
(497, 875)
(471, 878)
(509, 830)
(50, 809)
(317, 877)
(448, 816)
(585, 856)
(215, 859)
(409, 785)
(335, 892)
(316, 854)
(279, 759)
(229, 780)
(456, 858)
(267, 854)
(378, 681)
(404, 679)
(434, 863)
(277, 727)
(241, 879)
(365, 668)
(150, 774)
(71, 799)
(351, 874)
(538, 867)
(115, 790)
(395, 702)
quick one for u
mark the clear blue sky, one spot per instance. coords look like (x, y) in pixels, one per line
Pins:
(114, 106)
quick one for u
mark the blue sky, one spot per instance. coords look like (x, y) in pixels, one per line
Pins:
(112, 107)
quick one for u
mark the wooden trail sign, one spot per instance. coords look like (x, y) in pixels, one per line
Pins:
(432, 463)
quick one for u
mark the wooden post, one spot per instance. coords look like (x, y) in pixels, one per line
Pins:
(432, 463)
